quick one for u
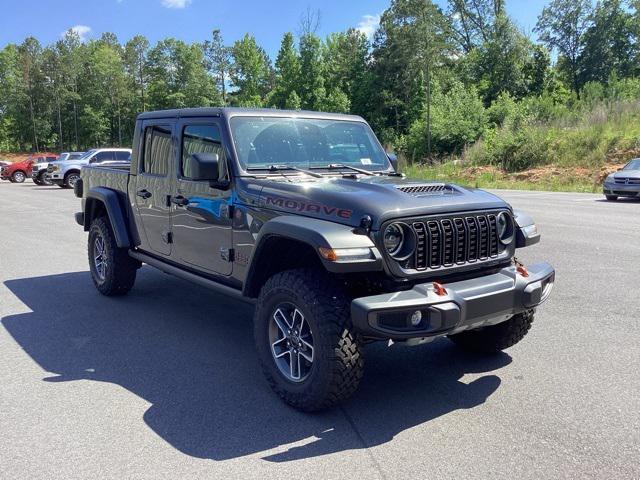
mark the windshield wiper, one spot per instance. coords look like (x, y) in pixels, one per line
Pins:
(337, 166)
(279, 168)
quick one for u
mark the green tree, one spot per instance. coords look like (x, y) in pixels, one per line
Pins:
(609, 43)
(135, 63)
(561, 27)
(250, 73)
(287, 74)
(347, 69)
(312, 90)
(218, 61)
(178, 77)
(412, 42)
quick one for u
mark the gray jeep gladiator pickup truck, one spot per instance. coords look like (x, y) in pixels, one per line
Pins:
(305, 215)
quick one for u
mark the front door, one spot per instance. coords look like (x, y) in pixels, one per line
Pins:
(153, 187)
(201, 218)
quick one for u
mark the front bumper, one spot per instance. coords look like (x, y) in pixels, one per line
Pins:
(467, 304)
(621, 189)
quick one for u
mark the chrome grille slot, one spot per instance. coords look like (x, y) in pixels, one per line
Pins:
(455, 240)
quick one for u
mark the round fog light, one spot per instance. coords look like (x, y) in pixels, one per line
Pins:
(416, 318)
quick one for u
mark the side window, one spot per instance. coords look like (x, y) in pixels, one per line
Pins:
(202, 139)
(123, 155)
(102, 157)
(157, 150)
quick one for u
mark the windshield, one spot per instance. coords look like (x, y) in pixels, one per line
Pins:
(306, 143)
(633, 165)
(87, 154)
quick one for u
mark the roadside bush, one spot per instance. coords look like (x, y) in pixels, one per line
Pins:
(458, 118)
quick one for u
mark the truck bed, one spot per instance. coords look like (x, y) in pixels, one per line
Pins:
(115, 177)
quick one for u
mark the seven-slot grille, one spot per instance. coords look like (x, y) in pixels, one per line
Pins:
(444, 242)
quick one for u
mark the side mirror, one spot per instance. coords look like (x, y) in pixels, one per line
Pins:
(203, 166)
(393, 158)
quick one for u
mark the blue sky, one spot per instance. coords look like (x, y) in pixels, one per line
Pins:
(193, 20)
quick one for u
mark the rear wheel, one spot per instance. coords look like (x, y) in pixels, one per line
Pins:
(496, 337)
(113, 271)
(70, 179)
(308, 351)
(37, 181)
(611, 198)
(18, 176)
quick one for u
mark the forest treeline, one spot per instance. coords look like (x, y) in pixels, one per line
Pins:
(431, 81)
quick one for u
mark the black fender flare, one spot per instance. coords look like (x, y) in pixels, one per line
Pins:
(316, 233)
(115, 213)
(523, 237)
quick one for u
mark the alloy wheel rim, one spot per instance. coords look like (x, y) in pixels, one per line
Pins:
(72, 180)
(19, 177)
(291, 341)
(100, 257)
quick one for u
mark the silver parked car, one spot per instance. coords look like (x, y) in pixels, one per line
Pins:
(624, 183)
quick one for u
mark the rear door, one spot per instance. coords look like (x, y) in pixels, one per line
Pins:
(153, 186)
(202, 226)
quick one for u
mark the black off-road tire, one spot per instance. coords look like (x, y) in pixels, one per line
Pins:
(338, 363)
(43, 179)
(37, 181)
(120, 268)
(611, 198)
(496, 337)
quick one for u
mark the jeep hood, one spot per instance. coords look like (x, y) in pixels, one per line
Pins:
(347, 200)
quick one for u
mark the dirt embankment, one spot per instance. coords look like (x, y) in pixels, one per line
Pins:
(18, 157)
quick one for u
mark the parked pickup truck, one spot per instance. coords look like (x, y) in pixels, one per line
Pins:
(304, 214)
(65, 173)
(39, 168)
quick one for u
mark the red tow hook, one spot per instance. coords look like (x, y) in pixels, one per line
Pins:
(439, 289)
(521, 269)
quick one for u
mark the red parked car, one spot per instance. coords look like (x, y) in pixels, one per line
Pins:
(18, 172)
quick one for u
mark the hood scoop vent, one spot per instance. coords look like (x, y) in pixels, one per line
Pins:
(427, 189)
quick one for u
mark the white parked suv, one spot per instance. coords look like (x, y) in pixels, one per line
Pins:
(66, 173)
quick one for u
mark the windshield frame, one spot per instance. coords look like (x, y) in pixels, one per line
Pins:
(247, 170)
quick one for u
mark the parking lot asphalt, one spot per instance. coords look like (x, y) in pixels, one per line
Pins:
(164, 383)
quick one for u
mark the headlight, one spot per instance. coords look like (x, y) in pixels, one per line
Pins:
(399, 241)
(505, 228)
(55, 168)
(393, 238)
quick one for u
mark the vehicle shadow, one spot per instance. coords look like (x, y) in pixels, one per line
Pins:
(189, 353)
(619, 200)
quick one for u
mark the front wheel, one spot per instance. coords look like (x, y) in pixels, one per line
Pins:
(611, 198)
(495, 338)
(18, 177)
(44, 180)
(71, 179)
(113, 271)
(306, 346)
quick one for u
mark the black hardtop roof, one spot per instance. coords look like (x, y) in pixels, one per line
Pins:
(246, 112)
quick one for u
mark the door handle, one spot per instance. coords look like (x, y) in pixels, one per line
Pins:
(180, 200)
(143, 193)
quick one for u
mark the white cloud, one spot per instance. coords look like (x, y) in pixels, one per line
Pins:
(175, 3)
(369, 24)
(81, 30)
